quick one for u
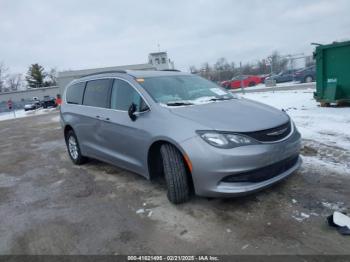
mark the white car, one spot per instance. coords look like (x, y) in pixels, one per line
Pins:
(32, 106)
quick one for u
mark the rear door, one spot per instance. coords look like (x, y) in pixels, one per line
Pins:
(95, 104)
(126, 140)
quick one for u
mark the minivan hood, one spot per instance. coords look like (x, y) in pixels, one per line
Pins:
(236, 115)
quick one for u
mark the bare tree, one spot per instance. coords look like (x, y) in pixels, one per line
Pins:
(3, 76)
(193, 69)
(223, 70)
(51, 78)
(14, 82)
(278, 63)
(206, 71)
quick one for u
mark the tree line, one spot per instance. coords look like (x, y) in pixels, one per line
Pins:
(224, 70)
(35, 77)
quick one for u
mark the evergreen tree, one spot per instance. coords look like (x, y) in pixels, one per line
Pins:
(35, 76)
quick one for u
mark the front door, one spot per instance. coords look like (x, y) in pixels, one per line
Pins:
(126, 140)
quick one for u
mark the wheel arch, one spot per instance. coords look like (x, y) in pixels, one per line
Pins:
(154, 160)
(66, 129)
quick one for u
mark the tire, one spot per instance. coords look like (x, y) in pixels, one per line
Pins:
(308, 79)
(252, 84)
(175, 175)
(74, 153)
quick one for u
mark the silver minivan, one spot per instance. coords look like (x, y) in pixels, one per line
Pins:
(200, 137)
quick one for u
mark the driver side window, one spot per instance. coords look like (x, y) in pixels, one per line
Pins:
(123, 95)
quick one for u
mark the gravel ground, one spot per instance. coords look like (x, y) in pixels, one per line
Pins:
(50, 206)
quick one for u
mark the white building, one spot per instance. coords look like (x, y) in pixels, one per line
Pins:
(156, 61)
(160, 61)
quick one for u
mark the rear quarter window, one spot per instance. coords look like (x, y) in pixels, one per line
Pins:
(75, 93)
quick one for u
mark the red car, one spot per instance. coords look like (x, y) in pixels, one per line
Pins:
(247, 81)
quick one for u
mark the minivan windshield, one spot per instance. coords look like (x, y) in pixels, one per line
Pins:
(184, 90)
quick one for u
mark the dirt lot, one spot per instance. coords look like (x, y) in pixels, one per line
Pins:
(50, 206)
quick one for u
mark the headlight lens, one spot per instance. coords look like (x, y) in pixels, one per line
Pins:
(215, 139)
(225, 140)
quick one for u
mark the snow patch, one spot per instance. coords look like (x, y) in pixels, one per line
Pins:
(22, 113)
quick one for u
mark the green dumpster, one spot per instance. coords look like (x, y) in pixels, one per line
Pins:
(333, 73)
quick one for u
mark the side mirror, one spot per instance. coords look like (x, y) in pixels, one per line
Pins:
(131, 112)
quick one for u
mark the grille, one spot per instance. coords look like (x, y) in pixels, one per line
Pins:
(263, 173)
(272, 134)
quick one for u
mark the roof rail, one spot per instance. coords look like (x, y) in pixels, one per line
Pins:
(170, 70)
(106, 72)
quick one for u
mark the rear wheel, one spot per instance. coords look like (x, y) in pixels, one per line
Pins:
(308, 79)
(74, 149)
(175, 173)
(252, 84)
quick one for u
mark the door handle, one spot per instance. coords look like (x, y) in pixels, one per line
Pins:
(105, 119)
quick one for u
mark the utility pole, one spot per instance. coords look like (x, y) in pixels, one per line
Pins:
(241, 77)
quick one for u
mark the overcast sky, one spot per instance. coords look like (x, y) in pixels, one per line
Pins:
(86, 34)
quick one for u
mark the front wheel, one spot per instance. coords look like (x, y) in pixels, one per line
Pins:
(74, 148)
(175, 173)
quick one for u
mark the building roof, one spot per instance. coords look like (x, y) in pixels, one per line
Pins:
(158, 53)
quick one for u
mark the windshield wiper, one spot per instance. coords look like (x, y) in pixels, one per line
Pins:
(179, 103)
(221, 98)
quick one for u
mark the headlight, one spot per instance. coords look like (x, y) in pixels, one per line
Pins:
(225, 140)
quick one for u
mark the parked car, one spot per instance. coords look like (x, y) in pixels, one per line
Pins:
(282, 77)
(32, 106)
(181, 127)
(306, 75)
(48, 102)
(246, 80)
(263, 77)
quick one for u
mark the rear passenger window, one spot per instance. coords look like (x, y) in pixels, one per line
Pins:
(75, 93)
(97, 93)
(123, 95)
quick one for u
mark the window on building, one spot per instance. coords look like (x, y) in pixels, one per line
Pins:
(97, 93)
(163, 60)
(75, 93)
(157, 61)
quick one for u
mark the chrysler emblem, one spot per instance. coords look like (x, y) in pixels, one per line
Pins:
(276, 133)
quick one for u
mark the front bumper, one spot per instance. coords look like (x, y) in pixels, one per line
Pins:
(211, 165)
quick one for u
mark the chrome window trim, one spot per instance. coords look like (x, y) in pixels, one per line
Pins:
(110, 77)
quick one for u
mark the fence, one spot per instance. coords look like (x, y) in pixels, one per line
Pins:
(20, 98)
